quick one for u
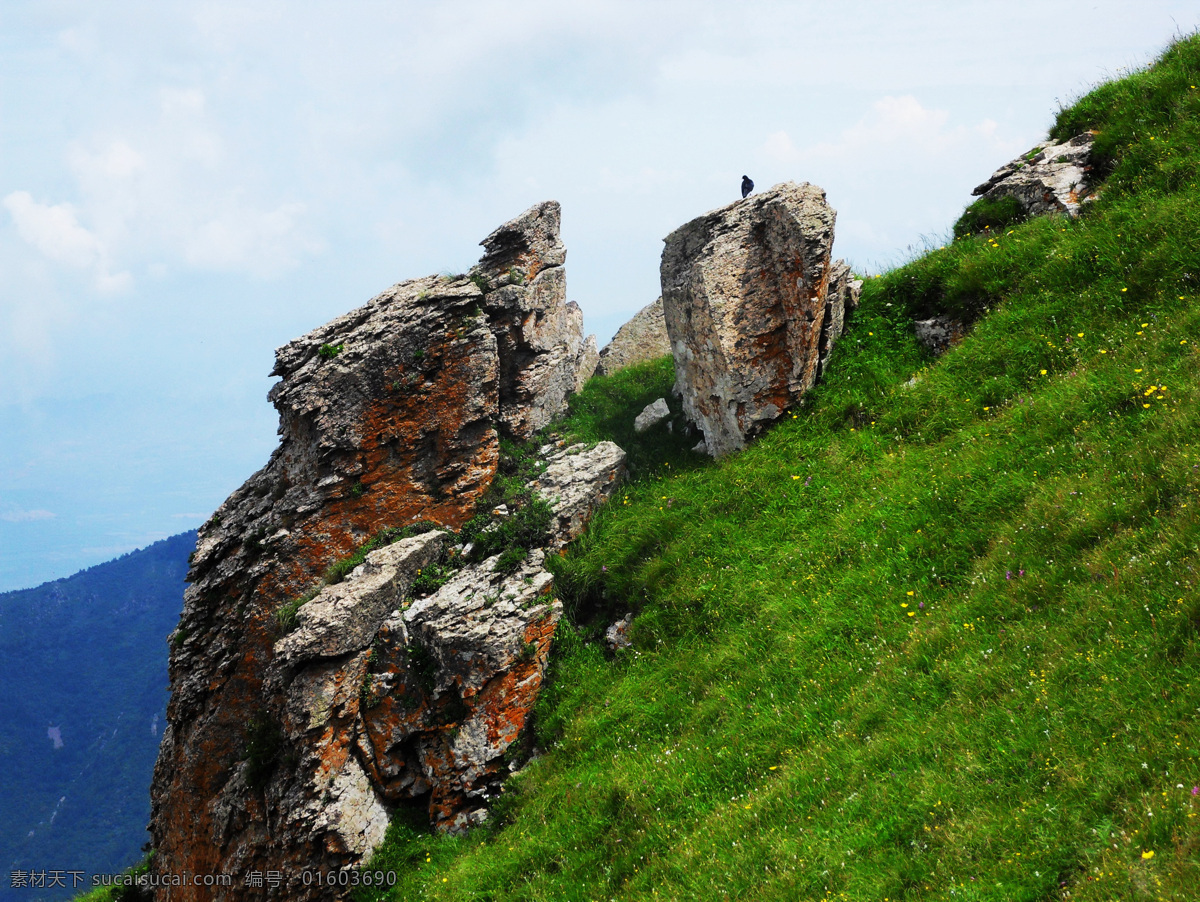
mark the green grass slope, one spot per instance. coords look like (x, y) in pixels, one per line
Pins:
(935, 636)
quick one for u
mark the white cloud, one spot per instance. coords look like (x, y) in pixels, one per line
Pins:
(897, 122)
(173, 190)
(779, 147)
(56, 233)
(22, 516)
(243, 239)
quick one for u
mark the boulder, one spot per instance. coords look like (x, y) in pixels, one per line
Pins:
(643, 338)
(576, 480)
(344, 617)
(749, 311)
(616, 636)
(652, 414)
(1050, 178)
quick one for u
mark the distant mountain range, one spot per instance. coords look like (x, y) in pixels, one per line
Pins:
(83, 678)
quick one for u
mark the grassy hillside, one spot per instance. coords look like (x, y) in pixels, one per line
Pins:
(935, 636)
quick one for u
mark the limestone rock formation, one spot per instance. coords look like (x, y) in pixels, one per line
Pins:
(281, 752)
(842, 297)
(643, 338)
(539, 334)
(589, 359)
(749, 310)
(1051, 178)
(575, 481)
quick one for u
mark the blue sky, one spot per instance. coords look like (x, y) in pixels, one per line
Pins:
(186, 186)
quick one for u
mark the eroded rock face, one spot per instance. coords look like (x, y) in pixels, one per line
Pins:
(1051, 178)
(385, 417)
(455, 677)
(276, 756)
(643, 338)
(841, 298)
(589, 359)
(538, 333)
(749, 310)
(576, 480)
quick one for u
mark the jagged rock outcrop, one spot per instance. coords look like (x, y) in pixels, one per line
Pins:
(841, 298)
(1050, 178)
(286, 751)
(749, 309)
(539, 333)
(643, 338)
(458, 673)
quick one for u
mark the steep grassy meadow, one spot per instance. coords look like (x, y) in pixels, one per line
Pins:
(935, 636)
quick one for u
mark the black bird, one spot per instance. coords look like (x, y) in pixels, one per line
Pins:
(747, 185)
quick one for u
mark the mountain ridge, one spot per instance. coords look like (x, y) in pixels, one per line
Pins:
(83, 666)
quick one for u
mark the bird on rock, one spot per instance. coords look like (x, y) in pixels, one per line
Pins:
(747, 185)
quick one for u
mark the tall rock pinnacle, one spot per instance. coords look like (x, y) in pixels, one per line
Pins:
(308, 703)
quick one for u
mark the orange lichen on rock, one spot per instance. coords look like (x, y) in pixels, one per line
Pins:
(307, 702)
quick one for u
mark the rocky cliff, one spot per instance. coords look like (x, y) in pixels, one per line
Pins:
(317, 683)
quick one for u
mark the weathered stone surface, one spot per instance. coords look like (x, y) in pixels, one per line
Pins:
(387, 416)
(643, 338)
(1051, 178)
(589, 359)
(653, 413)
(576, 481)
(939, 333)
(484, 638)
(748, 309)
(616, 636)
(538, 334)
(344, 617)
